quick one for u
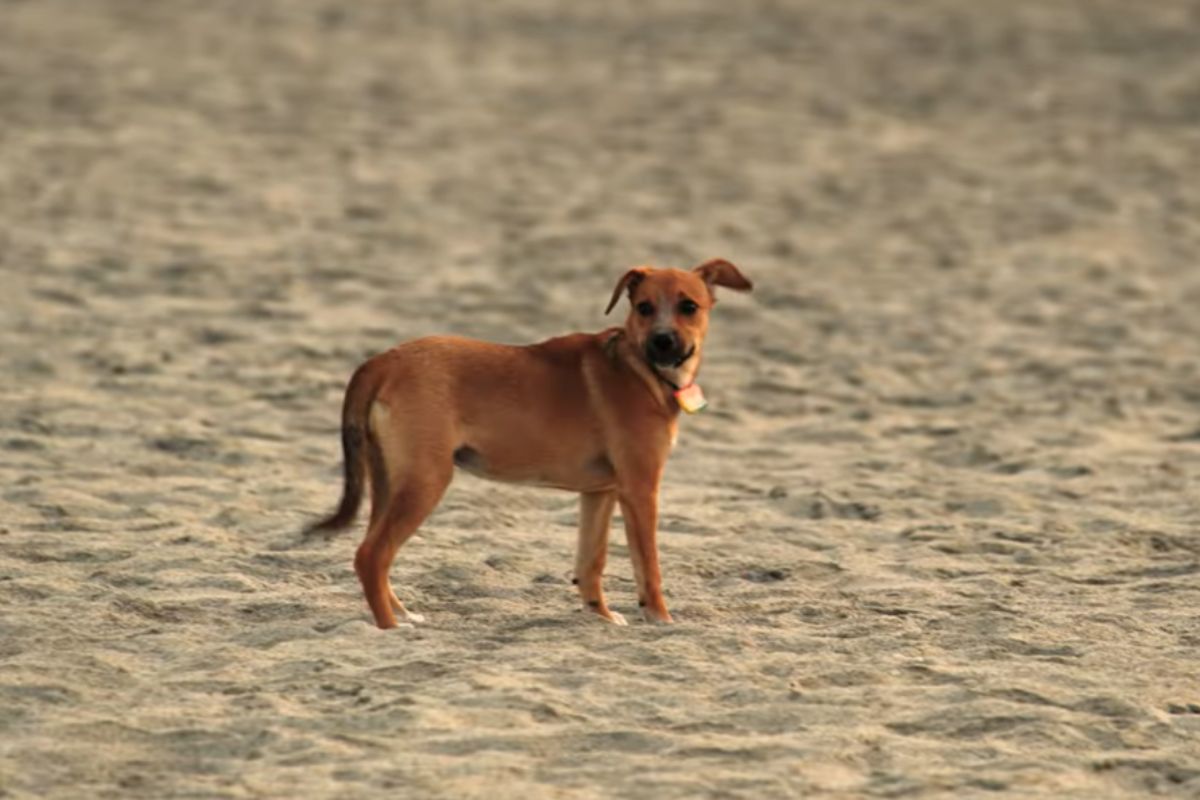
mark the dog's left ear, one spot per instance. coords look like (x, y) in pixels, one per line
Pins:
(629, 281)
(719, 272)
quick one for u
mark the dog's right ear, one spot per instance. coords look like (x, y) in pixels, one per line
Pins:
(629, 281)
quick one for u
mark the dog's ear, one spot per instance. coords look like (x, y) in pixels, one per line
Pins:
(719, 272)
(629, 281)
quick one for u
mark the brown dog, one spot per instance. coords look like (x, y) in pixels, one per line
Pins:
(594, 413)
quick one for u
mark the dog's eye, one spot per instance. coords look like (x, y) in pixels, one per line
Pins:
(688, 307)
(645, 309)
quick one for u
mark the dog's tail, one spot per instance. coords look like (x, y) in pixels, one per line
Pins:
(359, 395)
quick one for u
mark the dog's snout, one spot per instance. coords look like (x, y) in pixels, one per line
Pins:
(663, 342)
(663, 347)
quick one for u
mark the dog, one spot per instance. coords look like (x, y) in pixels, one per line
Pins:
(593, 413)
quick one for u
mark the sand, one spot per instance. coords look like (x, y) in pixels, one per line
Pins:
(937, 536)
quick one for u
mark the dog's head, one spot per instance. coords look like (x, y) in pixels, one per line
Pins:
(668, 313)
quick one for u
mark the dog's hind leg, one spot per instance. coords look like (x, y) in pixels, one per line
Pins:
(409, 475)
(406, 510)
(595, 514)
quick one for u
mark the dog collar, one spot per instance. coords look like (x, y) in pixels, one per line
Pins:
(690, 398)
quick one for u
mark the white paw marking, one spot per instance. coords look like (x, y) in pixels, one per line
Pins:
(654, 619)
(613, 617)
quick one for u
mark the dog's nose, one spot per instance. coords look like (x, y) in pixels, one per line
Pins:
(662, 342)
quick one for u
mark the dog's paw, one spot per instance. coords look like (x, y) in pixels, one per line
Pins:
(660, 617)
(394, 625)
(403, 614)
(605, 615)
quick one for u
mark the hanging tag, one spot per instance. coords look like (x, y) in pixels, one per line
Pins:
(691, 399)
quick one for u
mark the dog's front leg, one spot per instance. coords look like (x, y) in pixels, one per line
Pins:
(639, 506)
(595, 515)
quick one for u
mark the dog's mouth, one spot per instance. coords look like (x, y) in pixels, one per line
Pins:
(669, 360)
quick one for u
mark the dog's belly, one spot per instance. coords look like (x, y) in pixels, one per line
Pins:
(591, 474)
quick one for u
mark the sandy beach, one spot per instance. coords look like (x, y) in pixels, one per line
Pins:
(938, 534)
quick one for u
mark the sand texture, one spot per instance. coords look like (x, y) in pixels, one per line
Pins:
(938, 534)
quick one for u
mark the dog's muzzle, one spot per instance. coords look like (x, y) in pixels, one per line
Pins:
(666, 350)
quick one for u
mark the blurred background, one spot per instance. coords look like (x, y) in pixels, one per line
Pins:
(950, 465)
(936, 177)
